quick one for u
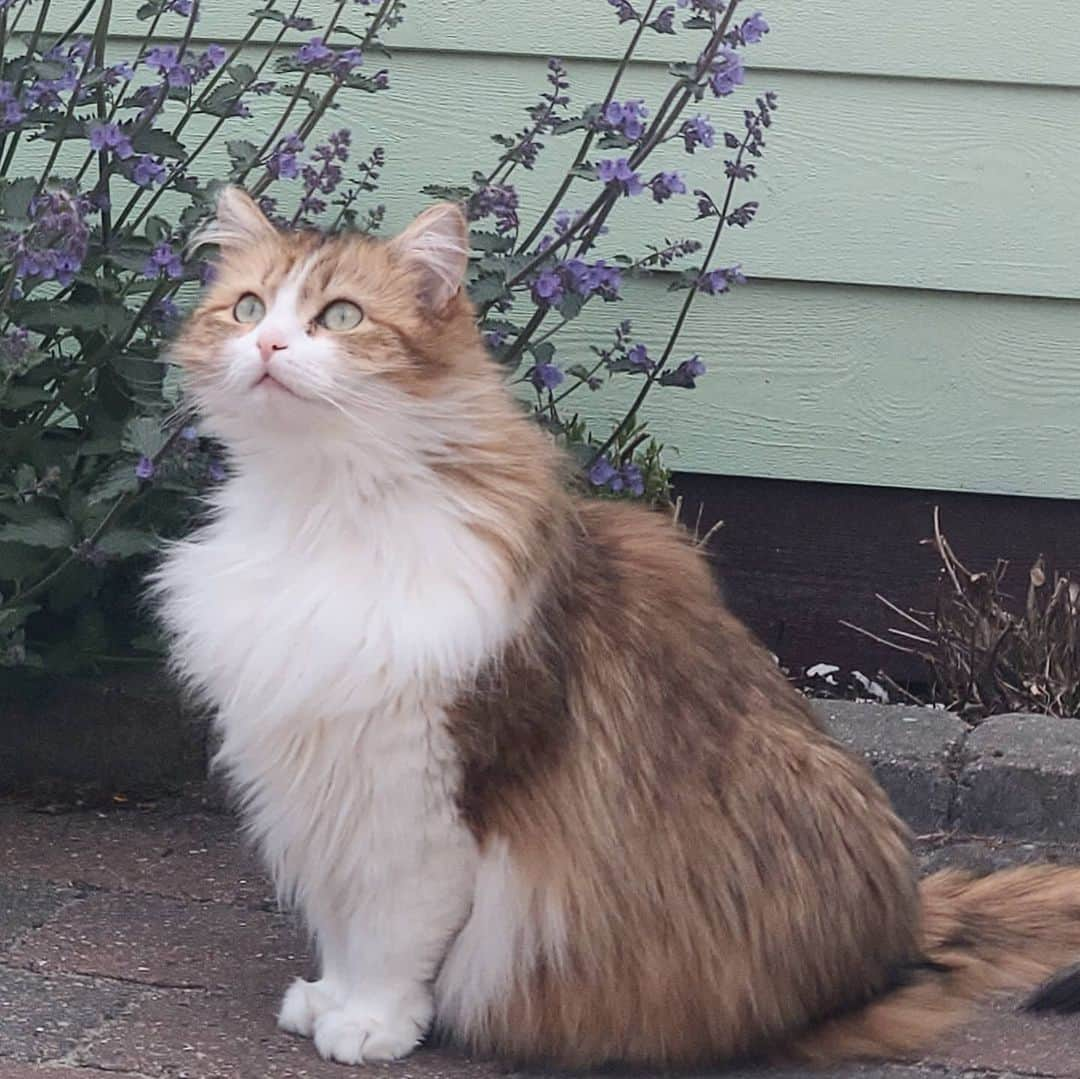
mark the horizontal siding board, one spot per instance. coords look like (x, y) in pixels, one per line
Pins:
(861, 385)
(955, 201)
(964, 39)
(915, 185)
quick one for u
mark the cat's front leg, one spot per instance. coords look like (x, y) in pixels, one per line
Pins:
(382, 934)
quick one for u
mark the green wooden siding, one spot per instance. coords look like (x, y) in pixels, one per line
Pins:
(913, 317)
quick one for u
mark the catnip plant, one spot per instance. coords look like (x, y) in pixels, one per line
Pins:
(108, 163)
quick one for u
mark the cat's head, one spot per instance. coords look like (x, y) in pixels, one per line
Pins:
(328, 335)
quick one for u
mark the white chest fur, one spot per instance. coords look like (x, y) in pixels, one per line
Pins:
(329, 636)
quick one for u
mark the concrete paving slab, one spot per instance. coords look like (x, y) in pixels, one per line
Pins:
(190, 853)
(43, 1018)
(165, 942)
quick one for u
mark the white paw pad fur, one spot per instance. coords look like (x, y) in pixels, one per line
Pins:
(303, 1004)
(373, 1028)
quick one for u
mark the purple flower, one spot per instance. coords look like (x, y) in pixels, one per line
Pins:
(737, 171)
(685, 375)
(316, 51)
(189, 433)
(632, 479)
(179, 7)
(212, 59)
(618, 171)
(164, 314)
(499, 201)
(299, 22)
(546, 376)
(164, 260)
(743, 215)
(381, 79)
(14, 348)
(547, 289)
(639, 359)
(122, 72)
(347, 62)
(148, 171)
(54, 246)
(624, 9)
(727, 73)
(717, 282)
(216, 471)
(13, 113)
(165, 61)
(664, 23)
(599, 278)
(602, 472)
(110, 137)
(145, 468)
(753, 29)
(697, 132)
(495, 339)
(666, 184)
(626, 118)
(282, 163)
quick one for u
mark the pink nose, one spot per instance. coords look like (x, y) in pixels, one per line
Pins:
(269, 343)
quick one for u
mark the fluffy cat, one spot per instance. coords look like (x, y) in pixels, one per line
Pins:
(527, 780)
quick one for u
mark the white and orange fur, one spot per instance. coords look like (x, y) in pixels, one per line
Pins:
(435, 703)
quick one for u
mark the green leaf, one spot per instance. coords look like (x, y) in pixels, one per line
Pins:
(683, 70)
(270, 13)
(487, 287)
(242, 73)
(579, 370)
(11, 618)
(119, 479)
(157, 229)
(453, 192)
(52, 532)
(144, 436)
(222, 99)
(493, 242)
(127, 542)
(153, 141)
(48, 69)
(48, 315)
(241, 152)
(543, 353)
(15, 196)
(571, 304)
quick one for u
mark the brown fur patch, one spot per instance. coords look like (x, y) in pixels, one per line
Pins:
(728, 873)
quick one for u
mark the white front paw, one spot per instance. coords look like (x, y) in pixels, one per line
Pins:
(374, 1026)
(303, 1004)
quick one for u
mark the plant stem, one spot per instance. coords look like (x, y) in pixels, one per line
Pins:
(680, 321)
(31, 48)
(586, 143)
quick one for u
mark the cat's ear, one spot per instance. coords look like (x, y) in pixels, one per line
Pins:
(436, 247)
(237, 224)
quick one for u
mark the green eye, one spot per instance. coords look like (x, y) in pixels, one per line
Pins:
(341, 315)
(249, 308)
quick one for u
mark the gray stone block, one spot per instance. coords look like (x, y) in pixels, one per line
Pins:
(1021, 778)
(911, 750)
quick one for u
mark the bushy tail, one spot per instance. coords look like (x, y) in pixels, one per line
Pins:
(1008, 930)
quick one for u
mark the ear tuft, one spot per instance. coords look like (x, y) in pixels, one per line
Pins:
(238, 224)
(436, 247)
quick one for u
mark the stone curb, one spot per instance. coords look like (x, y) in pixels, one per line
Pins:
(1016, 776)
